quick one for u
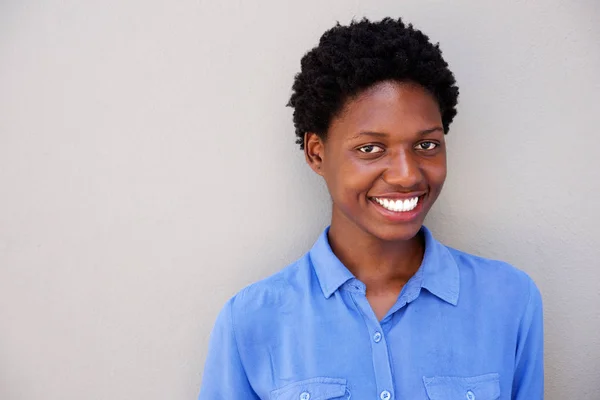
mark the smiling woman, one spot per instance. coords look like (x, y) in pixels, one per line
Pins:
(378, 308)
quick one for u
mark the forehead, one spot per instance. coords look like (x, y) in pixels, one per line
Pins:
(390, 105)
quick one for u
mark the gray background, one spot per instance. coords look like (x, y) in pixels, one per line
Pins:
(148, 171)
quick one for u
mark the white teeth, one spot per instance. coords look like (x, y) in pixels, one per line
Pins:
(398, 205)
(407, 204)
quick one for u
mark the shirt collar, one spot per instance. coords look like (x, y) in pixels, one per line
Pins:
(438, 272)
(329, 269)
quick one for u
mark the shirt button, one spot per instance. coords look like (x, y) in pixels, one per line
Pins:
(377, 337)
(304, 396)
(385, 395)
(470, 395)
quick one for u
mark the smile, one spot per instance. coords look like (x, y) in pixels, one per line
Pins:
(397, 205)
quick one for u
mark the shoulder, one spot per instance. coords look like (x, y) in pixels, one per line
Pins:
(489, 277)
(485, 269)
(277, 293)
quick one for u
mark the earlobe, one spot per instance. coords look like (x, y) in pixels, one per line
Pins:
(313, 151)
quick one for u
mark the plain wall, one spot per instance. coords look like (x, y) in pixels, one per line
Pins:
(148, 172)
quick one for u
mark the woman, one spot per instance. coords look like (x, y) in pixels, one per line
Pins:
(378, 308)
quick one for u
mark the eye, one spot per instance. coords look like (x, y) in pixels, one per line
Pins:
(426, 146)
(370, 149)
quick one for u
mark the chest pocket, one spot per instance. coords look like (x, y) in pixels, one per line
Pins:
(312, 389)
(483, 387)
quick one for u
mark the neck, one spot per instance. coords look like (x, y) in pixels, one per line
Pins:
(381, 265)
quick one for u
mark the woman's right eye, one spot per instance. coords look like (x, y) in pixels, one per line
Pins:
(370, 149)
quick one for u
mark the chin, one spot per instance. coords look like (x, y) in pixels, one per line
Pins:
(396, 232)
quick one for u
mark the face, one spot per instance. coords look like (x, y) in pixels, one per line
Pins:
(384, 160)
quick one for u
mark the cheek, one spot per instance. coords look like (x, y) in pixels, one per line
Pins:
(358, 176)
(347, 177)
(436, 173)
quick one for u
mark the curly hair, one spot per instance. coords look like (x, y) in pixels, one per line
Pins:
(349, 59)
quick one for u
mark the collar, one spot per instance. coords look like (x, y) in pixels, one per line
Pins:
(329, 269)
(438, 272)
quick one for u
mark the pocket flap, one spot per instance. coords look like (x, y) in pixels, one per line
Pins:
(482, 387)
(311, 389)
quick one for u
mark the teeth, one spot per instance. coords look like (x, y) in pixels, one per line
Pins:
(398, 205)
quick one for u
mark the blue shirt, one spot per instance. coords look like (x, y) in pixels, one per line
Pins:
(463, 327)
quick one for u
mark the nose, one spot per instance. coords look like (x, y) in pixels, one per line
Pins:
(403, 170)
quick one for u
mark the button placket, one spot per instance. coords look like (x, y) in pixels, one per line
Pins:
(379, 349)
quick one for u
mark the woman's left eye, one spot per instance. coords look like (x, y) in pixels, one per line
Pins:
(370, 149)
(426, 146)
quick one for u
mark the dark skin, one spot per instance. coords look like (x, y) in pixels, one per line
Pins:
(387, 142)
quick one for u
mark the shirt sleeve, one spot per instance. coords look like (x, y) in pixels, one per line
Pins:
(528, 381)
(224, 377)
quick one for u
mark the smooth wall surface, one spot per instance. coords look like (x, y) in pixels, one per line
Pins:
(148, 172)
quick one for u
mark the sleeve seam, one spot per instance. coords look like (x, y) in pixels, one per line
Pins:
(235, 341)
(528, 303)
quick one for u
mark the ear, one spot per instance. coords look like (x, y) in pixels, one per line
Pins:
(314, 151)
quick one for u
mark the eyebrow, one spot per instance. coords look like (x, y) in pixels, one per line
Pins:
(431, 130)
(384, 135)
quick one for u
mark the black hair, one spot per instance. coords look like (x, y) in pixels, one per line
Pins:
(349, 59)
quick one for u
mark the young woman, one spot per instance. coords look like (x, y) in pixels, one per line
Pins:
(378, 308)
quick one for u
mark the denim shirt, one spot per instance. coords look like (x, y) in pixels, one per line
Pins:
(463, 327)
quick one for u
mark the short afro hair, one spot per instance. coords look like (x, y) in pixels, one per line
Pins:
(349, 59)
